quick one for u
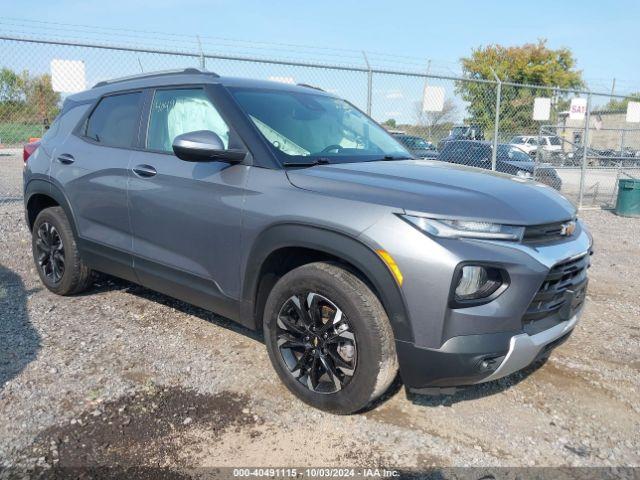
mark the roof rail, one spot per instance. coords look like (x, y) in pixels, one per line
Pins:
(310, 86)
(155, 74)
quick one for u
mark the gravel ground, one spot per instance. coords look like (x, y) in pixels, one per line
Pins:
(122, 375)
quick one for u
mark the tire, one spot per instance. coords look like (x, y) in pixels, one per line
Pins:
(358, 343)
(52, 233)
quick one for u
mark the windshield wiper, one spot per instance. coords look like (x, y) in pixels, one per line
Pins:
(391, 157)
(308, 163)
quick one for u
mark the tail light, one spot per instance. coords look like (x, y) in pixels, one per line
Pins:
(28, 150)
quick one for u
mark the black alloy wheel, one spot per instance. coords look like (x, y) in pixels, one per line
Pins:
(50, 252)
(316, 342)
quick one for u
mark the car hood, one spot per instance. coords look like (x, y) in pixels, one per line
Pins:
(434, 188)
(526, 166)
(529, 166)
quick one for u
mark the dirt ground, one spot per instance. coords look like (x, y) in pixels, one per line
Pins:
(124, 376)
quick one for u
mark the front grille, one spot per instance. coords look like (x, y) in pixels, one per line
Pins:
(544, 233)
(557, 295)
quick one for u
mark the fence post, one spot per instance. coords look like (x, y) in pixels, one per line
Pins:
(369, 82)
(585, 143)
(496, 126)
(202, 59)
(538, 151)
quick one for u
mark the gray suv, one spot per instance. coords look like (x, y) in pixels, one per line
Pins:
(291, 212)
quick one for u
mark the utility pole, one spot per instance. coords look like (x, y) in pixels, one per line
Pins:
(613, 86)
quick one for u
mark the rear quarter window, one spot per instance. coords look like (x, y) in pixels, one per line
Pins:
(64, 124)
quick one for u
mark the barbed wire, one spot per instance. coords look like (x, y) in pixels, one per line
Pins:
(213, 44)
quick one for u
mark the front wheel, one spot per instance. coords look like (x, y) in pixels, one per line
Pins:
(329, 338)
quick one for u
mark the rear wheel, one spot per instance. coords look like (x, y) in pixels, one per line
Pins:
(329, 338)
(56, 255)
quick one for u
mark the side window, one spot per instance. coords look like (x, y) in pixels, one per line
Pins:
(114, 122)
(174, 112)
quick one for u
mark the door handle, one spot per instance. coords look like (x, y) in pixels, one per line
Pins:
(144, 171)
(66, 158)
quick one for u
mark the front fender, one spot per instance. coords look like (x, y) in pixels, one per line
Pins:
(344, 247)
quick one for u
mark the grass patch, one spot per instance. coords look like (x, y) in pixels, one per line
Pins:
(14, 133)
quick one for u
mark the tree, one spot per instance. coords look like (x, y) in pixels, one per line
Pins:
(620, 104)
(532, 64)
(436, 123)
(41, 98)
(391, 123)
(11, 86)
(27, 99)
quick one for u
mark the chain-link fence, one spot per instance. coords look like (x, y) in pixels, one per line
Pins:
(489, 124)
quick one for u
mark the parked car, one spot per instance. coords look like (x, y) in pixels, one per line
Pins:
(529, 143)
(551, 151)
(288, 210)
(420, 147)
(462, 132)
(509, 159)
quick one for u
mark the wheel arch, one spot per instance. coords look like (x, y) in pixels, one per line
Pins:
(283, 247)
(40, 194)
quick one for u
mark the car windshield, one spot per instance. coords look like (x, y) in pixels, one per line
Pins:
(517, 140)
(459, 131)
(512, 154)
(303, 127)
(555, 141)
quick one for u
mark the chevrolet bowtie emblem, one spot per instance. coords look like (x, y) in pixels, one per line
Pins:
(568, 228)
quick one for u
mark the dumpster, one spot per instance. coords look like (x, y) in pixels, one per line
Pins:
(628, 204)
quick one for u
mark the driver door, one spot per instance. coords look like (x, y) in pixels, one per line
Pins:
(186, 216)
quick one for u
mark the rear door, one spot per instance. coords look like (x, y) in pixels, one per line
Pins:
(92, 167)
(186, 216)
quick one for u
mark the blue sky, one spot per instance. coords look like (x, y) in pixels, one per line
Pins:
(603, 35)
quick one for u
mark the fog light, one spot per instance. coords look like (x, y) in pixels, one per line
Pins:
(489, 364)
(477, 282)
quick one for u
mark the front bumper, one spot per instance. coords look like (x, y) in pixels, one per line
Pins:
(474, 359)
(465, 346)
(524, 349)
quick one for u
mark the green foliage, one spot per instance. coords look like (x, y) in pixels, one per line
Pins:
(19, 133)
(26, 103)
(391, 123)
(11, 86)
(532, 64)
(620, 104)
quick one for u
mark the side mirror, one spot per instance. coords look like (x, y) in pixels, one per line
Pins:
(204, 146)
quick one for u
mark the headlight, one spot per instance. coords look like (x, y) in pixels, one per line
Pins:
(523, 174)
(475, 282)
(465, 229)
